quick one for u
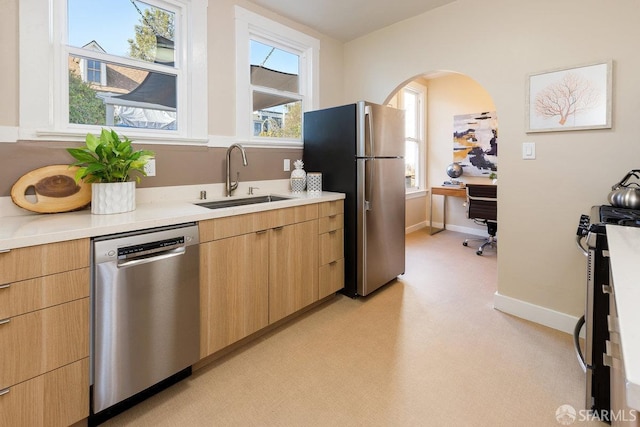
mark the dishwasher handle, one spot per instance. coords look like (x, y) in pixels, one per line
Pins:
(158, 256)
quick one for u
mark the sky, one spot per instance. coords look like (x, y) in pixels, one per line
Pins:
(111, 22)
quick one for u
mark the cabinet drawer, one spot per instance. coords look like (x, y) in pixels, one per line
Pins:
(331, 208)
(57, 398)
(236, 225)
(35, 294)
(41, 260)
(331, 246)
(331, 278)
(44, 340)
(330, 223)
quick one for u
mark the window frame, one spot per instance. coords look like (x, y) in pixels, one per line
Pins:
(250, 26)
(421, 92)
(44, 103)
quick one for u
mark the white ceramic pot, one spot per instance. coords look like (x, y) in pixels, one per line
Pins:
(113, 197)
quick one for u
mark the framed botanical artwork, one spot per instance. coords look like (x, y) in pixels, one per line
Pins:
(576, 98)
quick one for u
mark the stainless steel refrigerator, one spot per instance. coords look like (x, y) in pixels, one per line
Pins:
(359, 149)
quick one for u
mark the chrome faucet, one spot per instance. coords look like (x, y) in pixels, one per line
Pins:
(233, 185)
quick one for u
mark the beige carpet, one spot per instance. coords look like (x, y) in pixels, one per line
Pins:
(427, 350)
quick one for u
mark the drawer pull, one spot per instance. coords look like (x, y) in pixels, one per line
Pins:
(612, 323)
(261, 232)
(333, 216)
(278, 228)
(333, 232)
(5, 321)
(612, 349)
(5, 391)
(7, 286)
(610, 361)
(333, 262)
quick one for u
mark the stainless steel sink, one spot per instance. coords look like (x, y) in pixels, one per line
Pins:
(227, 203)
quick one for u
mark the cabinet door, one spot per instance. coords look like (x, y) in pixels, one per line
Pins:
(36, 261)
(293, 268)
(56, 399)
(234, 289)
(43, 340)
(331, 278)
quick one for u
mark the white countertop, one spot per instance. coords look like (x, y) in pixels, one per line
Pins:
(624, 252)
(28, 230)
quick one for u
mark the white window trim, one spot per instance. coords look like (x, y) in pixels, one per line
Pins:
(44, 101)
(248, 25)
(421, 90)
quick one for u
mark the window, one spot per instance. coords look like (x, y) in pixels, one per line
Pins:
(276, 67)
(133, 67)
(412, 98)
(94, 71)
(275, 91)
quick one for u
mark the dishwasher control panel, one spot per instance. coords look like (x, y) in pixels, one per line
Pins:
(151, 247)
(144, 242)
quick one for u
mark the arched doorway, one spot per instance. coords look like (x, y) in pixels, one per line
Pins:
(447, 95)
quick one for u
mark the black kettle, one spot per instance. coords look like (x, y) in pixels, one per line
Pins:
(626, 194)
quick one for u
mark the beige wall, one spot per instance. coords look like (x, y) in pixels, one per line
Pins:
(416, 212)
(497, 43)
(448, 96)
(176, 165)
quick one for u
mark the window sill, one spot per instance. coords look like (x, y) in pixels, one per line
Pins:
(134, 135)
(414, 194)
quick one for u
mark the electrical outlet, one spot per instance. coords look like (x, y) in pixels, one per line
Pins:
(150, 167)
(287, 165)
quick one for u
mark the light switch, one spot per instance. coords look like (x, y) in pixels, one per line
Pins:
(287, 165)
(529, 150)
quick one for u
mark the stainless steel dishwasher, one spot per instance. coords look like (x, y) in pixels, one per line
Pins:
(146, 321)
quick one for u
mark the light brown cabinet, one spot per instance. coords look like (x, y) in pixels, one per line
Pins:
(44, 334)
(255, 269)
(331, 248)
(234, 289)
(293, 268)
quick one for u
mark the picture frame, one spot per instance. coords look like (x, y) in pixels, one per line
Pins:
(569, 99)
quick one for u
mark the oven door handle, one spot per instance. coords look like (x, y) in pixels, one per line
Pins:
(584, 250)
(576, 343)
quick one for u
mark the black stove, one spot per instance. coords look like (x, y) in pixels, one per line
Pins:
(592, 241)
(619, 216)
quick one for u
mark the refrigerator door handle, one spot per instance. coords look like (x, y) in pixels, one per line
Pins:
(368, 111)
(368, 184)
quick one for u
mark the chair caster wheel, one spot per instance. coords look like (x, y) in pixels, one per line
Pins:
(465, 244)
(478, 252)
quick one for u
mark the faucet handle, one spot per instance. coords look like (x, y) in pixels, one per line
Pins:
(251, 190)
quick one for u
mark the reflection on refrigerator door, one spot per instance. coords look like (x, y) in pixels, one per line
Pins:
(382, 244)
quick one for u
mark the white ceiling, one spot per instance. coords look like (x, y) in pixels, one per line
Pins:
(346, 20)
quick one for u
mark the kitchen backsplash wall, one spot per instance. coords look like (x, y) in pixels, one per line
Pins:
(175, 165)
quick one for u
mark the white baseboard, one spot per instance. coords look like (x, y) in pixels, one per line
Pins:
(416, 227)
(467, 230)
(535, 313)
(459, 229)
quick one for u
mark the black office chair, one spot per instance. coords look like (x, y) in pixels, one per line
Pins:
(482, 207)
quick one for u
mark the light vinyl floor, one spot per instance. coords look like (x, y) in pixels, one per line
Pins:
(426, 350)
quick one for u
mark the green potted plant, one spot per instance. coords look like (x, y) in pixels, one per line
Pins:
(107, 162)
